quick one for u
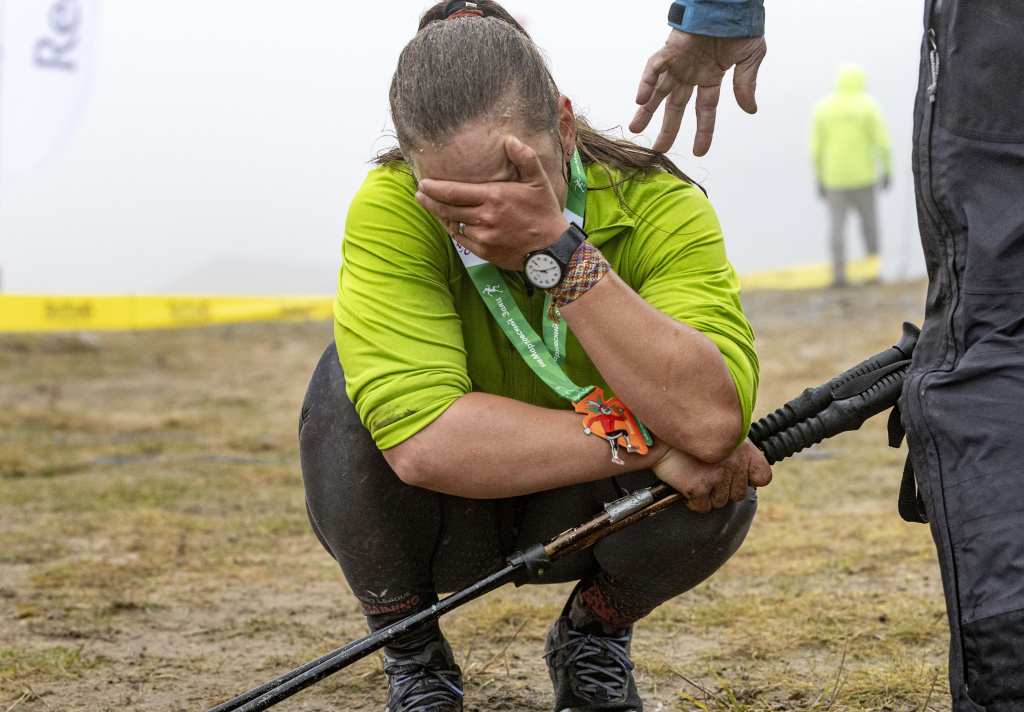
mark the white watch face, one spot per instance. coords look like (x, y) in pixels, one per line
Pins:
(543, 271)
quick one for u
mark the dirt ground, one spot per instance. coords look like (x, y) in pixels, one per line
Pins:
(155, 553)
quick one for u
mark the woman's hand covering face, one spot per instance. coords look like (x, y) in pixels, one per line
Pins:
(507, 200)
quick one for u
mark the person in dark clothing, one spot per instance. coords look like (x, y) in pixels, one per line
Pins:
(963, 400)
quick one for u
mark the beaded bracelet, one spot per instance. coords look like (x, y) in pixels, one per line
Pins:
(585, 268)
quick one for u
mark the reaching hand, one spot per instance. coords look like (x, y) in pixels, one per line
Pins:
(706, 486)
(687, 61)
(503, 221)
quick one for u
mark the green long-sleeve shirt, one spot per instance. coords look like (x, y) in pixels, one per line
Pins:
(414, 335)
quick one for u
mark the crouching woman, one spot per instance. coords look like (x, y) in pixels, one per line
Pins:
(532, 319)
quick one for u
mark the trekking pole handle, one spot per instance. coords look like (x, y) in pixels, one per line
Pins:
(815, 400)
(840, 416)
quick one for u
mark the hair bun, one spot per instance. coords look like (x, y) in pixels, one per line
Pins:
(461, 8)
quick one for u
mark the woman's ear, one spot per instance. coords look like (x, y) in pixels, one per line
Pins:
(566, 126)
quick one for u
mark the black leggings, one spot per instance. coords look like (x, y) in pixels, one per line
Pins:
(400, 545)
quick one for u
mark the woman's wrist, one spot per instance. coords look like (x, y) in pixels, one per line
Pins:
(585, 269)
(657, 452)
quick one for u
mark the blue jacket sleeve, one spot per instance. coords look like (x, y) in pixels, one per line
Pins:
(719, 18)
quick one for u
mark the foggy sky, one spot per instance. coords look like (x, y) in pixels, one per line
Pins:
(222, 138)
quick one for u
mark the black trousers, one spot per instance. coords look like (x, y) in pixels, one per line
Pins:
(963, 403)
(399, 545)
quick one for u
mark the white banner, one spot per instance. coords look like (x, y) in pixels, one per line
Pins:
(47, 51)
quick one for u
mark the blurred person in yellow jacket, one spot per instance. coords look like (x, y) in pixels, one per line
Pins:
(848, 144)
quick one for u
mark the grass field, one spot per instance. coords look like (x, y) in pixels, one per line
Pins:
(155, 554)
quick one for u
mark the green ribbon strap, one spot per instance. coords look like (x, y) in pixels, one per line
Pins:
(546, 354)
(531, 347)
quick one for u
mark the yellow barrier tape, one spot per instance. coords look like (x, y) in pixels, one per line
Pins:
(812, 276)
(25, 312)
(40, 313)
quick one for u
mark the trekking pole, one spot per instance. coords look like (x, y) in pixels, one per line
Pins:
(814, 400)
(842, 404)
(845, 402)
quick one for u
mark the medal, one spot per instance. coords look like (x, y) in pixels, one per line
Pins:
(612, 420)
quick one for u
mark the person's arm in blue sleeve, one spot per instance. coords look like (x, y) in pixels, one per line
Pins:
(708, 37)
(718, 18)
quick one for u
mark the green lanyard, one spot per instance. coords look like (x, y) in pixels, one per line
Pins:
(544, 355)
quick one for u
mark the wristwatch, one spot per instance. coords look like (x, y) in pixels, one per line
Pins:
(545, 269)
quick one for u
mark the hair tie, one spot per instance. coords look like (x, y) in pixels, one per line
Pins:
(461, 8)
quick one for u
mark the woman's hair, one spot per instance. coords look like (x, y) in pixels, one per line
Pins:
(470, 69)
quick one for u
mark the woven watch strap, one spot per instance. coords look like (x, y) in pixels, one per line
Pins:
(586, 267)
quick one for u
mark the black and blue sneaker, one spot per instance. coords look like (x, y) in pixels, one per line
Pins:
(426, 681)
(589, 665)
